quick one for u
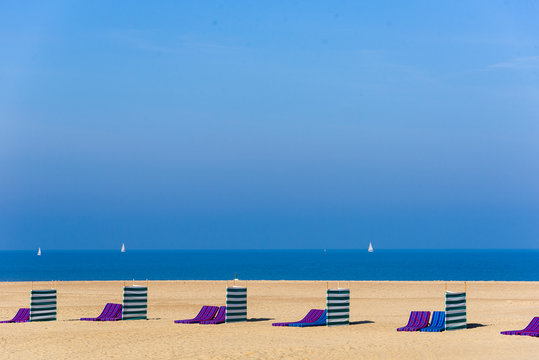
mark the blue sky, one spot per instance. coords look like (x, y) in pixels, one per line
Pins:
(269, 125)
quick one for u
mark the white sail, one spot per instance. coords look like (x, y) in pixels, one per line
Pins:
(123, 247)
(38, 251)
(370, 247)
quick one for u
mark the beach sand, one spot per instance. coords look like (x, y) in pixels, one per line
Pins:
(377, 309)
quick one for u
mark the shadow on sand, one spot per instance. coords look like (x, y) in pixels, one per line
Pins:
(259, 319)
(361, 322)
(474, 325)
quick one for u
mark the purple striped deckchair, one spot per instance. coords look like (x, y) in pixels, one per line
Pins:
(206, 313)
(111, 312)
(418, 320)
(218, 319)
(311, 316)
(321, 321)
(23, 315)
(115, 313)
(533, 327)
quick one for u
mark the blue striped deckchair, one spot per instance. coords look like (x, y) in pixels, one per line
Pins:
(206, 313)
(437, 324)
(23, 315)
(321, 321)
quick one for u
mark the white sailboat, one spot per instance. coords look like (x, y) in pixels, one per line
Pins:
(38, 251)
(370, 247)
(123, 247)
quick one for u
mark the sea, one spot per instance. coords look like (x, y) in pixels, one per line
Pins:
(500, 265)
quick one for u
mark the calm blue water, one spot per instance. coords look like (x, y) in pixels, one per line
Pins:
(271, 265)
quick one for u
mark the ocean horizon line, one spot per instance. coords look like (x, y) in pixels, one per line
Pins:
(281, 249)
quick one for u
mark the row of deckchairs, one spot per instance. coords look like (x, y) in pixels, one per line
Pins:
(314, 317)
(207, 315)
(531, 330)
(419, 321)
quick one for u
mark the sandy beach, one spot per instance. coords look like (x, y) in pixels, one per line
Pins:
(377, 309)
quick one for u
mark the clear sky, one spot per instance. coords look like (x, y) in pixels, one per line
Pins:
(235, 124)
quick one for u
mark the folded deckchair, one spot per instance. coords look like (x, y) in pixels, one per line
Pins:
(218, 319)
(111, 312)
(321, 321)
(533, 327)
(418, 320)
(438, 322)
(23, 315)
(311, 316)
(206, 313)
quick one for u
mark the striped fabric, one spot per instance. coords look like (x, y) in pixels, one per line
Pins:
(218, 319)
(111, 312)
(135, 303)
(418, 320)
(236, 304)
(455, 310)
(312, 316)
(338, 307)
(23, 315)
(43, 305)
(205, 314)
(322, 320)
(533, 327)
(437, 324)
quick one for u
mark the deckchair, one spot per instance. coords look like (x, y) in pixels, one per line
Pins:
(418, 320)
(111, 312)
(23, 315)
(115, 314)
(533, 327)
(321, 321)
(206, 313)
(218, 319)
(311, 316)
(438, 322)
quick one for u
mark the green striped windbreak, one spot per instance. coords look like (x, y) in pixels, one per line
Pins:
(43, 305)
(455, 310)
(135, 303)
(338, 307)
(236, 304)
